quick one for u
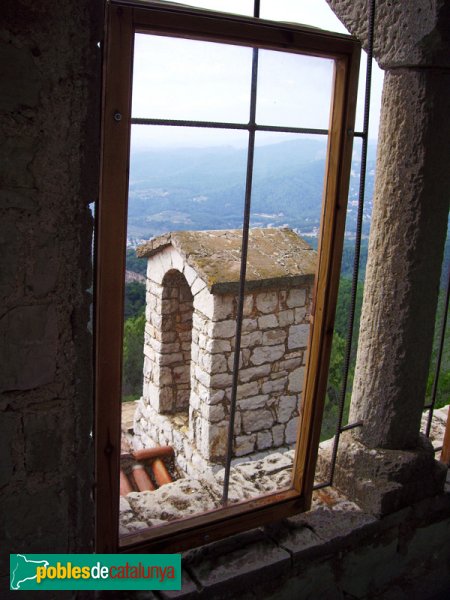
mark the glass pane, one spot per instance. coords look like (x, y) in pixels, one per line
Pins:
(186, 201)
(287, 191)
(182, 181)
(191, 80)
(293, 90)
(185, 178)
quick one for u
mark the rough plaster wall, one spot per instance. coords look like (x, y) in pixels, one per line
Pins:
(49, 107)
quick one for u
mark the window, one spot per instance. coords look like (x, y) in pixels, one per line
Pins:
(258, 105)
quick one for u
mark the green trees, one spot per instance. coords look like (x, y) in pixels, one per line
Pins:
(443, 384)
(133, 355)
(135, 264)
(134, 299)
(133, 341)
(337, 359)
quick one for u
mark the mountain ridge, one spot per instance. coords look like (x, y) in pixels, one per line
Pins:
(204, 188)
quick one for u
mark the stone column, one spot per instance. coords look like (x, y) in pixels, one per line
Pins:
(386, 464)
(409, 225)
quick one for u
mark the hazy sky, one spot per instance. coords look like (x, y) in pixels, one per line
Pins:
(193, 80)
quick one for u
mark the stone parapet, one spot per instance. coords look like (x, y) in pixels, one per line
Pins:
(334, 551)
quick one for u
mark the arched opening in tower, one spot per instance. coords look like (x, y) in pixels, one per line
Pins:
(176, 329)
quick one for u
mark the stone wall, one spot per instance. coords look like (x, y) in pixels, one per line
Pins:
(49, 158)
(190, 328)
(275, 333)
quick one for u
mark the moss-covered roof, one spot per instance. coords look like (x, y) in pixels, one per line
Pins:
(276, 257)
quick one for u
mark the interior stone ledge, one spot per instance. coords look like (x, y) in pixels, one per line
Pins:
(334, 551)
(382, 481)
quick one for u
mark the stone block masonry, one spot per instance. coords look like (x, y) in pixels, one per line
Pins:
(270, 378)
(190, 342)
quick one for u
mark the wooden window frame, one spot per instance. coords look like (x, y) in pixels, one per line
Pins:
(123, 20)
